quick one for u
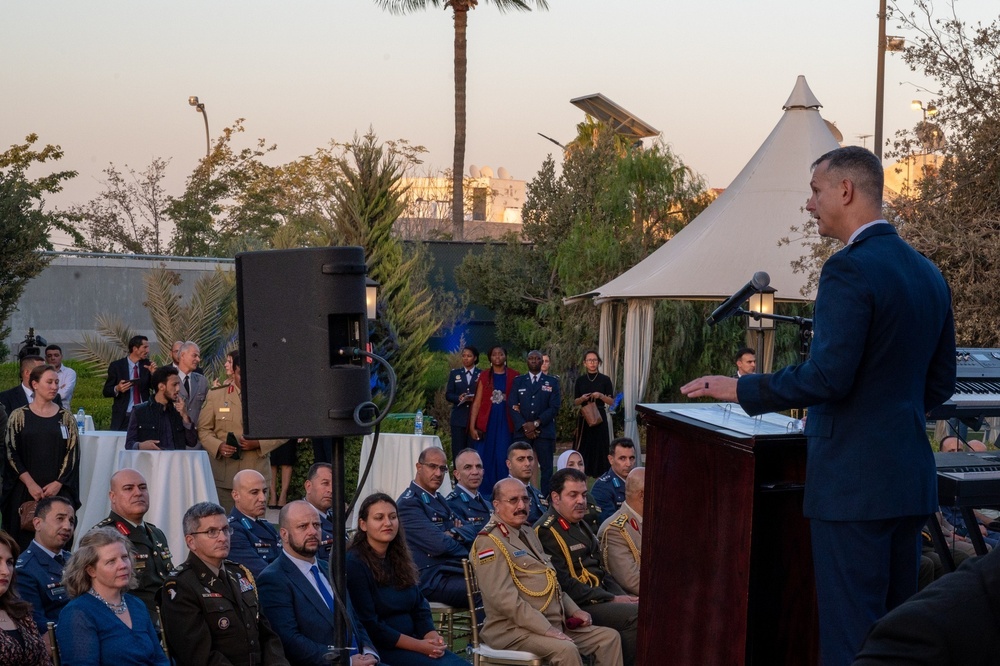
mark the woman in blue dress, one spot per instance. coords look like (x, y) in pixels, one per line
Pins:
(102, 625)
(490, 426)
(383, 584)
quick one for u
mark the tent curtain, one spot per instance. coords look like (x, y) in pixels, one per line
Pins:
(610, 342)
(763, 342)
(638, 340)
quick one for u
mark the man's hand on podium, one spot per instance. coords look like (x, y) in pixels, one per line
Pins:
(712, 386)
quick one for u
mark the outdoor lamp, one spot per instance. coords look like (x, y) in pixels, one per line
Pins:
(762, 302)
(371, 296)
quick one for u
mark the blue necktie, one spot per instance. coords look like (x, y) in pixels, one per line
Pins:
(322, 588)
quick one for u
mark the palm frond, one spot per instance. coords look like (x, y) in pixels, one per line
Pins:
(164, 305)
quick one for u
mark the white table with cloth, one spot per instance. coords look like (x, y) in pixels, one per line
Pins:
(98, 456)
(394, 467)
(177, 480)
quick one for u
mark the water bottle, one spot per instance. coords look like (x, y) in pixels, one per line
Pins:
(81, 421)
(418, 423)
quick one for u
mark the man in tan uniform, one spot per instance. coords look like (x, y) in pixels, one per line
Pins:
(525, 607)
(621, 535)
(223, 414)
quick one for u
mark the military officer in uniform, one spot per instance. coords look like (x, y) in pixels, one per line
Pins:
(576, 556)
(319, 493)
(534, 403)
(209, 604)
(526, 609)
(521, 465)
(40, 566)
(437, 539)
(467, 500)
(621, 535)
(460, 392)
(255, 543)
(129, 503)
(609, 489)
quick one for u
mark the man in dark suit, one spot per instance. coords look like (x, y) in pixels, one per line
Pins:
(746, 362)
(534, 403)
(460, 392)
(298, 599)
(319, 493)
(883, 355)
(128, 381)
(21, 395)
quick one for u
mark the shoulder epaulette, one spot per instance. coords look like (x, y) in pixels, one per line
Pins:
(620, 522)
(216, 388)
(24, 558)
(549, 519)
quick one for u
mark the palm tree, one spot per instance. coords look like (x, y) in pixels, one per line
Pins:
(461, 10)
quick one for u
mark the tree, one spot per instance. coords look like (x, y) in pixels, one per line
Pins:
(369, 199)
(953, 213)
(460, 10)
(129, 216)
(25, 224)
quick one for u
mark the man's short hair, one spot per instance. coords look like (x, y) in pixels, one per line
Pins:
(315, 468)
(45, 505)
(161, 374)
(462, 453)
(860, 166)
(559, 479)
(193, 516)
(423, 454)
(188, 345)
(136, 341)
(743, 351)
(624, 442)
(517, 446)
(54, 348)
(30, 359)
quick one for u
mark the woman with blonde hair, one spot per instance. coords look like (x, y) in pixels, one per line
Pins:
(102, 624)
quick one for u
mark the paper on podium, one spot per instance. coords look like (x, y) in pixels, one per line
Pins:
(731, 416)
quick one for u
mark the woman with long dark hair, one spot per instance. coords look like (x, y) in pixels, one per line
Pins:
(19, 639)
(490, 426)
(384, 587)
(593, 440)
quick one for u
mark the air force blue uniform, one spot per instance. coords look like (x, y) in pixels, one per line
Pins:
(326, 539)
(608, 492)
(470, 510)
(459, 385)
(437, 543)
(39, 582)
(254, 543)
(539, 402)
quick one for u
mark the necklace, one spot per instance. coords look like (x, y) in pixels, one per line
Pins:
(117, 609)
(594, 378)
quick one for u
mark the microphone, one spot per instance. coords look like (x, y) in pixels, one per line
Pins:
(757, 283)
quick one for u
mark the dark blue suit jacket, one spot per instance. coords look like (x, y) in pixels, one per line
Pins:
(299, 615)
(539, 401)
(15, 398)
(456, 387)
(117, 371)
(39, 582)
(882, 356)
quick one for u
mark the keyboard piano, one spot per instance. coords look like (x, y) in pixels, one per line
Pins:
(977, 386)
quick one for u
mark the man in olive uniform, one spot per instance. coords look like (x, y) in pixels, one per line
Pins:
(525, 607)
(129, 503)
(221, 415)
(621, 535)
(576, 556)
(210, 610)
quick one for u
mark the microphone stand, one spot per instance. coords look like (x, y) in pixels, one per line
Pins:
(805, 327)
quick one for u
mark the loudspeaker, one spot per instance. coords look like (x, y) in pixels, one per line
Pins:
(297, 310)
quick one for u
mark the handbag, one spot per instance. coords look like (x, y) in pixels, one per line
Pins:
(591, 414)
(27, 513)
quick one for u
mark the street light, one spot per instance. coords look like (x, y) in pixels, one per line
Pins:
(929, 110)
(200, 108)
(885, 43)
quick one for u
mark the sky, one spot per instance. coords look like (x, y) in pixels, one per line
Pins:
(109, 80)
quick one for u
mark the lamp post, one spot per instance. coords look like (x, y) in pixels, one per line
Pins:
(200, 108)
(884, 44)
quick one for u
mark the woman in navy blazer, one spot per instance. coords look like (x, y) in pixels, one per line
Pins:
(383, 584)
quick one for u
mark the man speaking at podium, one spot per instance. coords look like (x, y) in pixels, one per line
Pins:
(882, 356)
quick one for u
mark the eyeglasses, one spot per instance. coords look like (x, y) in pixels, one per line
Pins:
(214, 532)
(514, 501)
(440, 468)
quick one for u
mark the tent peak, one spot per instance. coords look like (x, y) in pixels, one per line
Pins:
(802, 97)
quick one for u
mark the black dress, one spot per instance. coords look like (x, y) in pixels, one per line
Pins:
(596, 439)
(35, 444)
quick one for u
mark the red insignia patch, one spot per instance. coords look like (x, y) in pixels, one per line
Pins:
(564, 524)
(121, 528)
(634, 524)
(503, 528)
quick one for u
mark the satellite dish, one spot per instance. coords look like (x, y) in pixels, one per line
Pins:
(486, 172)
(474, 171)
(837, 134)
(503, 173)
(930, 135)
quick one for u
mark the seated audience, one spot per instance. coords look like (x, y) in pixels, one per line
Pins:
(102, 624)
(299, 601)
(609, 489)
(466, 499)
(521, 466)
(621, 535)
(162, 424)
(319, 493)
(254, 543)
(40, 567)
(20, 642)
(574, 459)
(383, 584)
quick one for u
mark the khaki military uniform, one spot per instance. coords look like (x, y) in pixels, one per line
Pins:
(152, 558)
(223, 414)
(621, 547)
(576, 557)
(523, 600)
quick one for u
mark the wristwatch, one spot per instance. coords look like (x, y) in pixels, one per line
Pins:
(537, 424)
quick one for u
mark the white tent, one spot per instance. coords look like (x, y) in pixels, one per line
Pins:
(721, 249)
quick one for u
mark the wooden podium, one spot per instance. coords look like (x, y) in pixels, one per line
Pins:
(727, 573)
